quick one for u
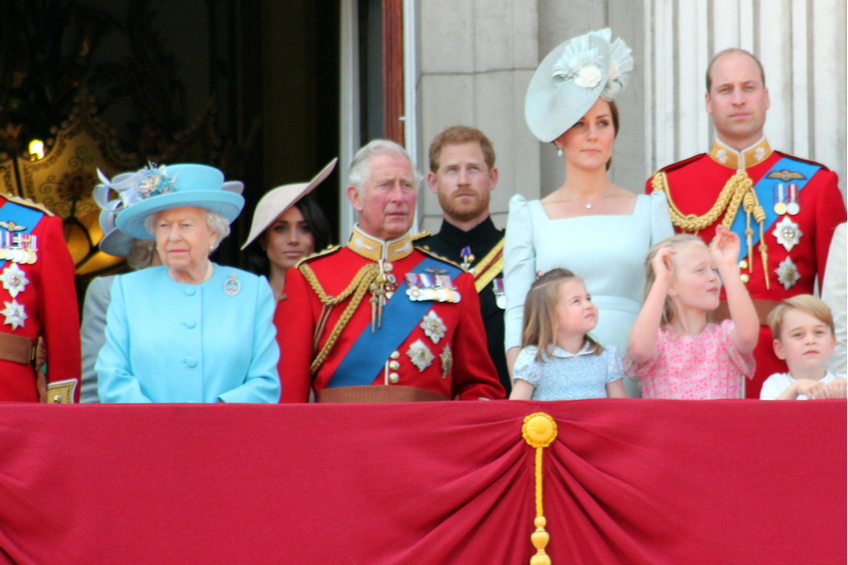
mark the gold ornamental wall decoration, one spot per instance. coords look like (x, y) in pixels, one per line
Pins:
(539, 431)
(63, 178)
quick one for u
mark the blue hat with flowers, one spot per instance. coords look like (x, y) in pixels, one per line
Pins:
(571, 78)
(153, 189)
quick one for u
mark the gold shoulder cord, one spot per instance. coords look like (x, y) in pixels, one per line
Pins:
(739, 189)
(358, 287)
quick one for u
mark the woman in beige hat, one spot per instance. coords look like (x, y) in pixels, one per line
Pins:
(289, 226)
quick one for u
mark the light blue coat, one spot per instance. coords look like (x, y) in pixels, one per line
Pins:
(173, 342)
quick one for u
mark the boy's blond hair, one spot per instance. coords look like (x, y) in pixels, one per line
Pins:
(540, 313)
(808, 303)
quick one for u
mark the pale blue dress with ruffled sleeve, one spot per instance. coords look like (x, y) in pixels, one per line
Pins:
(606, 251)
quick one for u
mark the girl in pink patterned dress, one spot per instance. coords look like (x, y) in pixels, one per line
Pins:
(674, 349)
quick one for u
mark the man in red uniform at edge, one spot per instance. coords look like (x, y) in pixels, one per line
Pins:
(38, 299)
(381, 319)
(784, 209)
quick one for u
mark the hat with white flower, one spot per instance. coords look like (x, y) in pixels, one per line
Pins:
(571, 78)
(156, 188)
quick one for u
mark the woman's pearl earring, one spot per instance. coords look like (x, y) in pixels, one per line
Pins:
(559, 151)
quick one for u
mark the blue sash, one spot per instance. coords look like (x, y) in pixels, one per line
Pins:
(765, 194)
(368, 355)
(22, 216)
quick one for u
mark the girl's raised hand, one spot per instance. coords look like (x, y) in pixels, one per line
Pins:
(725, 247)
(663, 268)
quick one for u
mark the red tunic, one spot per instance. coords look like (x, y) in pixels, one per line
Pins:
(695, 185)
(470, 374)
(50, 303)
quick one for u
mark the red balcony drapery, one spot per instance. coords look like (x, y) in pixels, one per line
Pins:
(626, 481)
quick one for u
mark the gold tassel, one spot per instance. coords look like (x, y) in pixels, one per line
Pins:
(748, 205)
(760, 216)
(539, 431)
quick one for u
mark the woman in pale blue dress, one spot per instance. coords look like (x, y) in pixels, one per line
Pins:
(598, 230)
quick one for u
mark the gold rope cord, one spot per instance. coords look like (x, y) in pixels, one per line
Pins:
(358, 287)
(539, 431)
(738, 190)
(728, 199)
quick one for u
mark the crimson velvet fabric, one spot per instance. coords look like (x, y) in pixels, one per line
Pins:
(626, 481)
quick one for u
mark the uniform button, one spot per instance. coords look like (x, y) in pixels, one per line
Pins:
(190, 325)
(395, 355)
(190, 290)
(743, 264)
(745, 278)
(191, 362)
(394, 365)
(393, 378)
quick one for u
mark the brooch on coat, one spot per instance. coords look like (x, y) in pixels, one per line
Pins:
(232, 286)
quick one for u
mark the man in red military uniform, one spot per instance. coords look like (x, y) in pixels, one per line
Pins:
(379, 319)
(784, 209)
(37, 299)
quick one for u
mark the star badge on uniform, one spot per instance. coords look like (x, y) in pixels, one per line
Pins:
(788, 233)
(433, 327)
(14, 279)
(420, 355)
(787, 273)
(447, 361)
(15, 314)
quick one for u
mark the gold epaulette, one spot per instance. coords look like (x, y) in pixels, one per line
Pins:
(419, 235)
(426, 251)
(328, 251)
(28, 203)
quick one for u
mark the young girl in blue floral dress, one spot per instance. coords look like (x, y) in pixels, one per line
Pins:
(558, 359)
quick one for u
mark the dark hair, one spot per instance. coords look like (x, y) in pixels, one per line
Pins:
(316, 220)
(613, 113)
(319, 227)
(728, 52)
(456, 135)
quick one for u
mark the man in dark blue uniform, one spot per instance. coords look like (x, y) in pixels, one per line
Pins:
(463, 174)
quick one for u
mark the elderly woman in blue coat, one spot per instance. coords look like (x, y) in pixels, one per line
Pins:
(189, 330)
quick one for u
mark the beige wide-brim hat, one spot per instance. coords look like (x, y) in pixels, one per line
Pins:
(279, 199)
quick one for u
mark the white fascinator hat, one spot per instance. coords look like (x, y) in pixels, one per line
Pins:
(571, 78)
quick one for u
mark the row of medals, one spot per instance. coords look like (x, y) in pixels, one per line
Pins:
(791, 207)
(22, 256)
